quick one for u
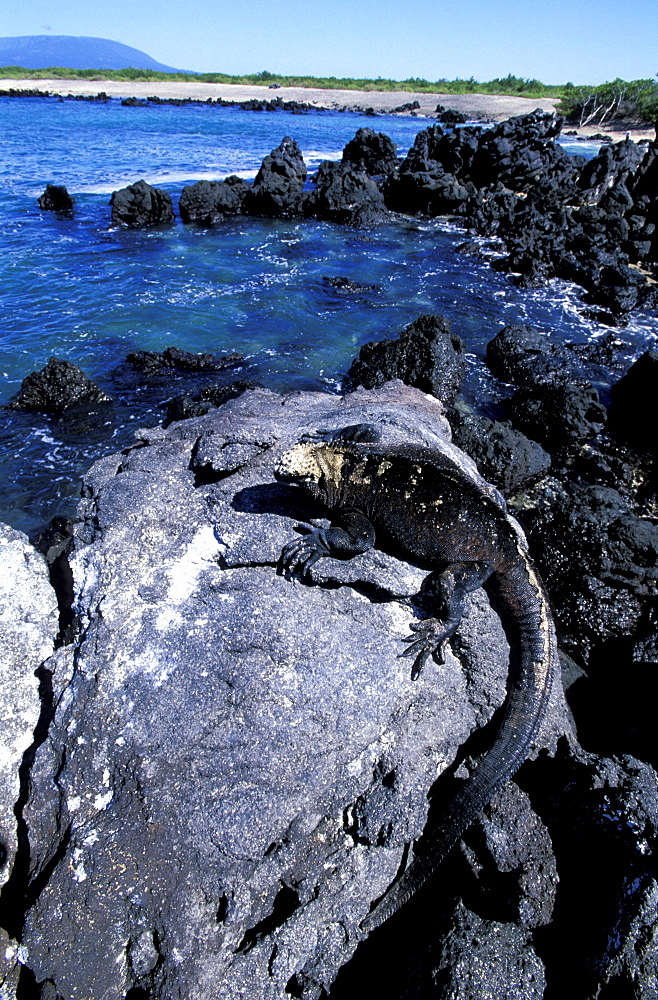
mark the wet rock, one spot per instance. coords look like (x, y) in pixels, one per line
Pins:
(139, 205)
(344, 195)
(207, 202)
(186, 745)
(277, 189)
(426, 355)
(199, 403)
(613, 166)
(633, 409)
(598, 559)
(522, 355)
(28, 629)
(562, 417)
(58, 387)
(504, 456)
(371, 152)
(56, 199)
(174, 359)
(343, 285)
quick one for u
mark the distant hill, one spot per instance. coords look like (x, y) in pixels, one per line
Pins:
(74, 52)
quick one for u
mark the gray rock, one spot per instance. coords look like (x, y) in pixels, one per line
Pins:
(236, 761)
(28, 628)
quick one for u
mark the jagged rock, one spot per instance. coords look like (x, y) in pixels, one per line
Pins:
(633, 409)
(140, 205)
(56, 199)
(521, 355)
(208, 202)
(344, 195)
(209, 398)
(371, 152)
(561, 417)
(277, 189)
(448, 116)
(599, 561)
(425, 355)
(347, 286)
(28, 628)
(613, 166)
(58, 387)
(174, 359)
(225, 728)
(504, 456)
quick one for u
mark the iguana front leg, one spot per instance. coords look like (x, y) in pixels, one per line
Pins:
(352, 534)
(432, 634)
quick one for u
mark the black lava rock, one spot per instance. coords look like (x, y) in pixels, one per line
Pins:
(598, 559)
(503, 455)
(277, 189)
(345, 195)
(56, 199)
(425, 355)
(347, 286)
(633, 409)
(209, 398)
(370, 151)
(58, 387)
(140, 205)
(562, 416)
(208, 202)
(175, 359)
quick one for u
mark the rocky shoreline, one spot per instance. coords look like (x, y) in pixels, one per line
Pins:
(220, 768)
(553, 214)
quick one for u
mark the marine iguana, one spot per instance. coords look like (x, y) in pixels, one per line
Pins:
(417, 502)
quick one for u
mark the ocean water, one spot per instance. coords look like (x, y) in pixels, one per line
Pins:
(88, 292)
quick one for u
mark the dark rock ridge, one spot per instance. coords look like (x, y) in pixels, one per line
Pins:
(208, 202)
(372, 152)
(557, 214)
(236, 761)
(196, 404)
(58, 387)
(140, 205)
(503, 454)
(345, 195)
(633, 410)
(175, 359)
(56, 199)
(277, 189)
(426, 355)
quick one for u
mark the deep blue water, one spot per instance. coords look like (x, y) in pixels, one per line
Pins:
(82, 290)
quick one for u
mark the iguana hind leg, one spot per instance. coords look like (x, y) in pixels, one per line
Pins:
(431, 635)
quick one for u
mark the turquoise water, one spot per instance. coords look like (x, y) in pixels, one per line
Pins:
(85, 291)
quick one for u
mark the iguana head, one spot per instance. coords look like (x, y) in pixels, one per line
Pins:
(316, 466)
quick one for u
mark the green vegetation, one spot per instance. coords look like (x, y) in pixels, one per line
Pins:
(508, 85)
(619, 101)
(610, 103)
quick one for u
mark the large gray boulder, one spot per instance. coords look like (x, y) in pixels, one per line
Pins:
(236, 761)
(239, 759)
(29, 623)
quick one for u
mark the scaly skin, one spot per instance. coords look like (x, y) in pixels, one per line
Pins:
(417, 503)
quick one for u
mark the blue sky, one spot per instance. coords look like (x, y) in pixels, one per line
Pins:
(584, 41)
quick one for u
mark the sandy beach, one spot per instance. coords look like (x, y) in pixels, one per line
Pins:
(479, 107)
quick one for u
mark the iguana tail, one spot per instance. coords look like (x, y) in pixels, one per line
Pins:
(519, 597)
